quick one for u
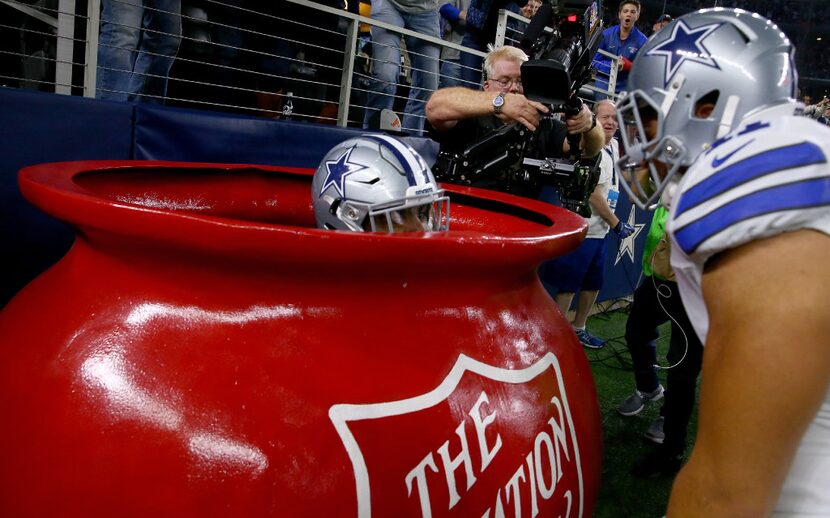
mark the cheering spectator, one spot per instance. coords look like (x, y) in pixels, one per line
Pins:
(623, 40)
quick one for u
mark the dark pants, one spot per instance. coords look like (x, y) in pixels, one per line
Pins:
(655, 303)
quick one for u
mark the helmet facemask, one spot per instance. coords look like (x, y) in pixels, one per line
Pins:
(652, 159)
(428, 213)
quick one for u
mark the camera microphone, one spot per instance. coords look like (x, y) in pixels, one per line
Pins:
(536, 27)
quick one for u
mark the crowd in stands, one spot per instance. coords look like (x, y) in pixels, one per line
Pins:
(819, 111)
(283, 60)
(257, 56)
(814, 61)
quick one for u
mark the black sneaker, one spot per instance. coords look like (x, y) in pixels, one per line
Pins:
(657, 464)
(655, 432)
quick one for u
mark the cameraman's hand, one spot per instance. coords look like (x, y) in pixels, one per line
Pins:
(581, 122)
(518, 108)
(623, 229)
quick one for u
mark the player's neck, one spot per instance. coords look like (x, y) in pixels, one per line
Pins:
(625, 33)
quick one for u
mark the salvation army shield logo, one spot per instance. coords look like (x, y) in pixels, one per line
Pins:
(487, 442)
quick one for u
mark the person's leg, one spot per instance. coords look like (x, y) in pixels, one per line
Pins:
(450, 74)
(425, 65)
(584, 303)
(685, 357)
(592, 281)
(159, 45)
(641, 333)
(386, 61)
(564, 300)
(117, 44)
(565, 274)
(470, 63)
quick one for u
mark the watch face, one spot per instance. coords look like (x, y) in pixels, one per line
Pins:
(498, 100)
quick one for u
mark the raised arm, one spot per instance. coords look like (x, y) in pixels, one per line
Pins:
(766, 370)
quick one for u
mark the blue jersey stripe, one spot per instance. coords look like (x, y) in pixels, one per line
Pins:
(407, 168)
(805, 194)
(768, 162)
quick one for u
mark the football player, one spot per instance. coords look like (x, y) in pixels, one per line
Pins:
(712, 118)
(376, 183)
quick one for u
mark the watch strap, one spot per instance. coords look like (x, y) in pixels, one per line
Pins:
(498, 102)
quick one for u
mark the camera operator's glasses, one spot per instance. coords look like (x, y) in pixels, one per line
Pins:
(506, 82)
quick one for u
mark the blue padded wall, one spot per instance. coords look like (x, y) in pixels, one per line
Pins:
(163, 133)
(36, 128)
(197, 136)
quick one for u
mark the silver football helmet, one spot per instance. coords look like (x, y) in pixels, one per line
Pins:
(376, 183)
(737, 60)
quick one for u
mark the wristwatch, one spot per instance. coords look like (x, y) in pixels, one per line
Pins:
(593, 122)
(498, 102)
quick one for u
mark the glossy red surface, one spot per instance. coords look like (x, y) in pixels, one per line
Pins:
(204, 350)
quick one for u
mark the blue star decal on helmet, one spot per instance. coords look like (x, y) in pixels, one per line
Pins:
(685, 44)
(338, 170)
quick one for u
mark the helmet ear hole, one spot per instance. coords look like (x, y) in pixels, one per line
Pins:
(334, 205)
(706, 104)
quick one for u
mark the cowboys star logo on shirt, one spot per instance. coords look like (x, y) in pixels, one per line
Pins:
(338, 170)
(685, 44)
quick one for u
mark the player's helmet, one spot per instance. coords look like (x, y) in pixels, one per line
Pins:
(377, 183)
(738, 60)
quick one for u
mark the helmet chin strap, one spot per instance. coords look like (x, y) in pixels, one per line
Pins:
(728, 117)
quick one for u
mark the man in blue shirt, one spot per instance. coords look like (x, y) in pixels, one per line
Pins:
(622, 40)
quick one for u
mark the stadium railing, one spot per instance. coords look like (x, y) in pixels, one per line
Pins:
(59, 48)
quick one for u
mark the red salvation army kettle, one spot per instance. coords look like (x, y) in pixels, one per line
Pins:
(203, 349)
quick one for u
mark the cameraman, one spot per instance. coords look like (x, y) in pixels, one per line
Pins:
(459, 117)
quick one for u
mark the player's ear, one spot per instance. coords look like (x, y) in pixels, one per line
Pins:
(706, 105)
(704, 110)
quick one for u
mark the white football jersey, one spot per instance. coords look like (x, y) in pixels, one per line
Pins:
(609, 184)
(771, 175)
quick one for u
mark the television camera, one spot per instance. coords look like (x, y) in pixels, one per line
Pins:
(561, 40)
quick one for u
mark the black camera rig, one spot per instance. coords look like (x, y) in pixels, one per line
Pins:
(513, 156)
